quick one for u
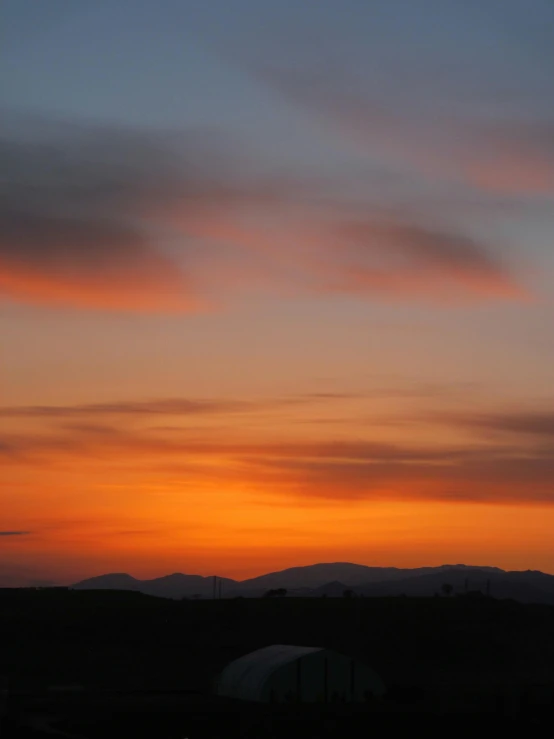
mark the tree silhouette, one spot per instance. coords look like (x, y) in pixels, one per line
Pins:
(348, 593)
(276, 593)
(446, 589)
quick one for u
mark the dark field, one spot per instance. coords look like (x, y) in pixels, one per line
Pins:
(145, 665)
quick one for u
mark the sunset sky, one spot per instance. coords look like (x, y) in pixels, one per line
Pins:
(276, 285)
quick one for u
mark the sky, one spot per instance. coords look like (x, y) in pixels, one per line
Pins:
(276, 285)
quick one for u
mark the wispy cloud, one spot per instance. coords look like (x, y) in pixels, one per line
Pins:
(495, 478)
(402, 257)
(309, 470)
(69, 203)
(120, 219)
(170, 407)
(87, 213)
(14, 533)
(508, 155)
(79, 414)
(522, 423)
(165, 406)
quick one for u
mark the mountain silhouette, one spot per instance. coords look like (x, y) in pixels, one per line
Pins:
(515, 585)
(332, 579)
(112, 581)
(175, 586)
(330, 590)
(312, 576)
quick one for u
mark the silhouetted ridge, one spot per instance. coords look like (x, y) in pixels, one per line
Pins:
(334, 578)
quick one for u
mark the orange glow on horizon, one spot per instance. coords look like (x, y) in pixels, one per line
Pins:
(155, 513)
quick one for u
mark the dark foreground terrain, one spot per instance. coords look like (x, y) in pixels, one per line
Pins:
(123, 664)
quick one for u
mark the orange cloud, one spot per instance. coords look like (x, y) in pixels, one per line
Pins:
(116, 501)
(102, 498)
(154, 287)
(369, 254)
(308, 471)
(405, 259)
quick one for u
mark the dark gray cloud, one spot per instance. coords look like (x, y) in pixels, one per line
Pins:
(14, 533)
(59, 168)
(105, 217)
(70, 199)
(86, 211)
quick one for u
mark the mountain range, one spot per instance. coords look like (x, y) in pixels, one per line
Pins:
(334, 579)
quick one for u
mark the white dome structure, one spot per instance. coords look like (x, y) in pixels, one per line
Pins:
(281, 674)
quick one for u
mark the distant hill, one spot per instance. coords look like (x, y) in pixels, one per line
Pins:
(330, 590)
(332, 579)
(174, 586)
(113, 581)
(526, 587)
(179, 586)
(313, 576)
